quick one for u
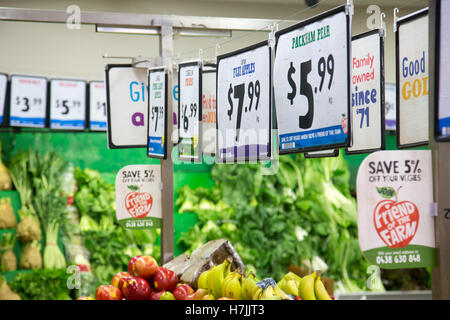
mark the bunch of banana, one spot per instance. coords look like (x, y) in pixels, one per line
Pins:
(312, 288)
(231, 287)
(290, 283)
(213, 278)
(271, 291)
(248, 285)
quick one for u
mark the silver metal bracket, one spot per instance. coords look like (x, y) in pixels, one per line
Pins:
(349, 8)
(396, 11)
(382, 25)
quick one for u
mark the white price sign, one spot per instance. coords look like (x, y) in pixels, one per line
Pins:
(412, 80)
(209, 111)
(190, 111)
(157, 115)
(28, 102)
(67, 104)
(442, 125)
(312, 83)
(127, 106)
(97, 106)
(244, 104)
(367, 93)
(3, 90)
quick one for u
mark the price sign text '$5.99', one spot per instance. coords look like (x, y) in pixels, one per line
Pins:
(324, 67)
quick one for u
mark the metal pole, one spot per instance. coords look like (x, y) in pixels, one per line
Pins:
(441, 174)
(167, 231)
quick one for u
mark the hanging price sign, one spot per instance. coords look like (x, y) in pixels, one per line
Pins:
(244, 104)
(412, 80)
(97, 106)
(190, 111)
(395, 225)
(3, 91)
(312, 83)
(67, 104)
(442, 114)
(28, 102)
(209, 110)
(157, 115)
(367, 93)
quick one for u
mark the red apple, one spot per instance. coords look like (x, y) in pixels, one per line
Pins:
(135, 288)
(143, 267)
(182, 291)
(165, 279)
(131, 264)
(117, 280)
(108, 292)
(156, 295)
(396, 222)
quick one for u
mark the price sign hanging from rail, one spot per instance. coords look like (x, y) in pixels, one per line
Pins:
(67, 104)
(367, 93)
(442, 114)
(209, 75)
(312, 83)
(395, 226)
(157, 115)
(97, 106)
(244, 104)
(190, 111)
(127, 106)
(412, 80)
(28, 102)
(3, 91)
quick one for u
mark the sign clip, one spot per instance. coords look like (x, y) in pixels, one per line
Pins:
(396, 11)
(349, 8)
(434, 209)
(382, 25)
(273, 28)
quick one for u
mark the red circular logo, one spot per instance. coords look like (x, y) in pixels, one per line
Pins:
(138, 204)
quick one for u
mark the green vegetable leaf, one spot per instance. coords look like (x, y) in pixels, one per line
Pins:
(386, 192)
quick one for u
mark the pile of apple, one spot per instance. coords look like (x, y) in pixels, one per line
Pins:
(145, 280)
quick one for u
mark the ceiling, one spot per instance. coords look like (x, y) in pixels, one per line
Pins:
(381, 3)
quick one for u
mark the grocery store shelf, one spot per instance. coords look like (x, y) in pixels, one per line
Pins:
(390, 295)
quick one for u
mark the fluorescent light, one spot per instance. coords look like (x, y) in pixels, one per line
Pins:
(127, 30)
(203, 32)
(188, 32)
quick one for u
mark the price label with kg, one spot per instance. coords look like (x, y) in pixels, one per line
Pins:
(157, 115)
(311, 83)
(190, 111)
(97, 106)
(244, 104)
(67, 104)
(28, 102)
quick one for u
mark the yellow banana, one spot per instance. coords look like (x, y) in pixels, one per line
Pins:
(248, 284)
(202, 282)
(306, 287)
(232, 286)
(268, 293)
(279, 292)
(208, 297)
(290, 275)
(320, 290)
(257, 292)
(216, 277)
